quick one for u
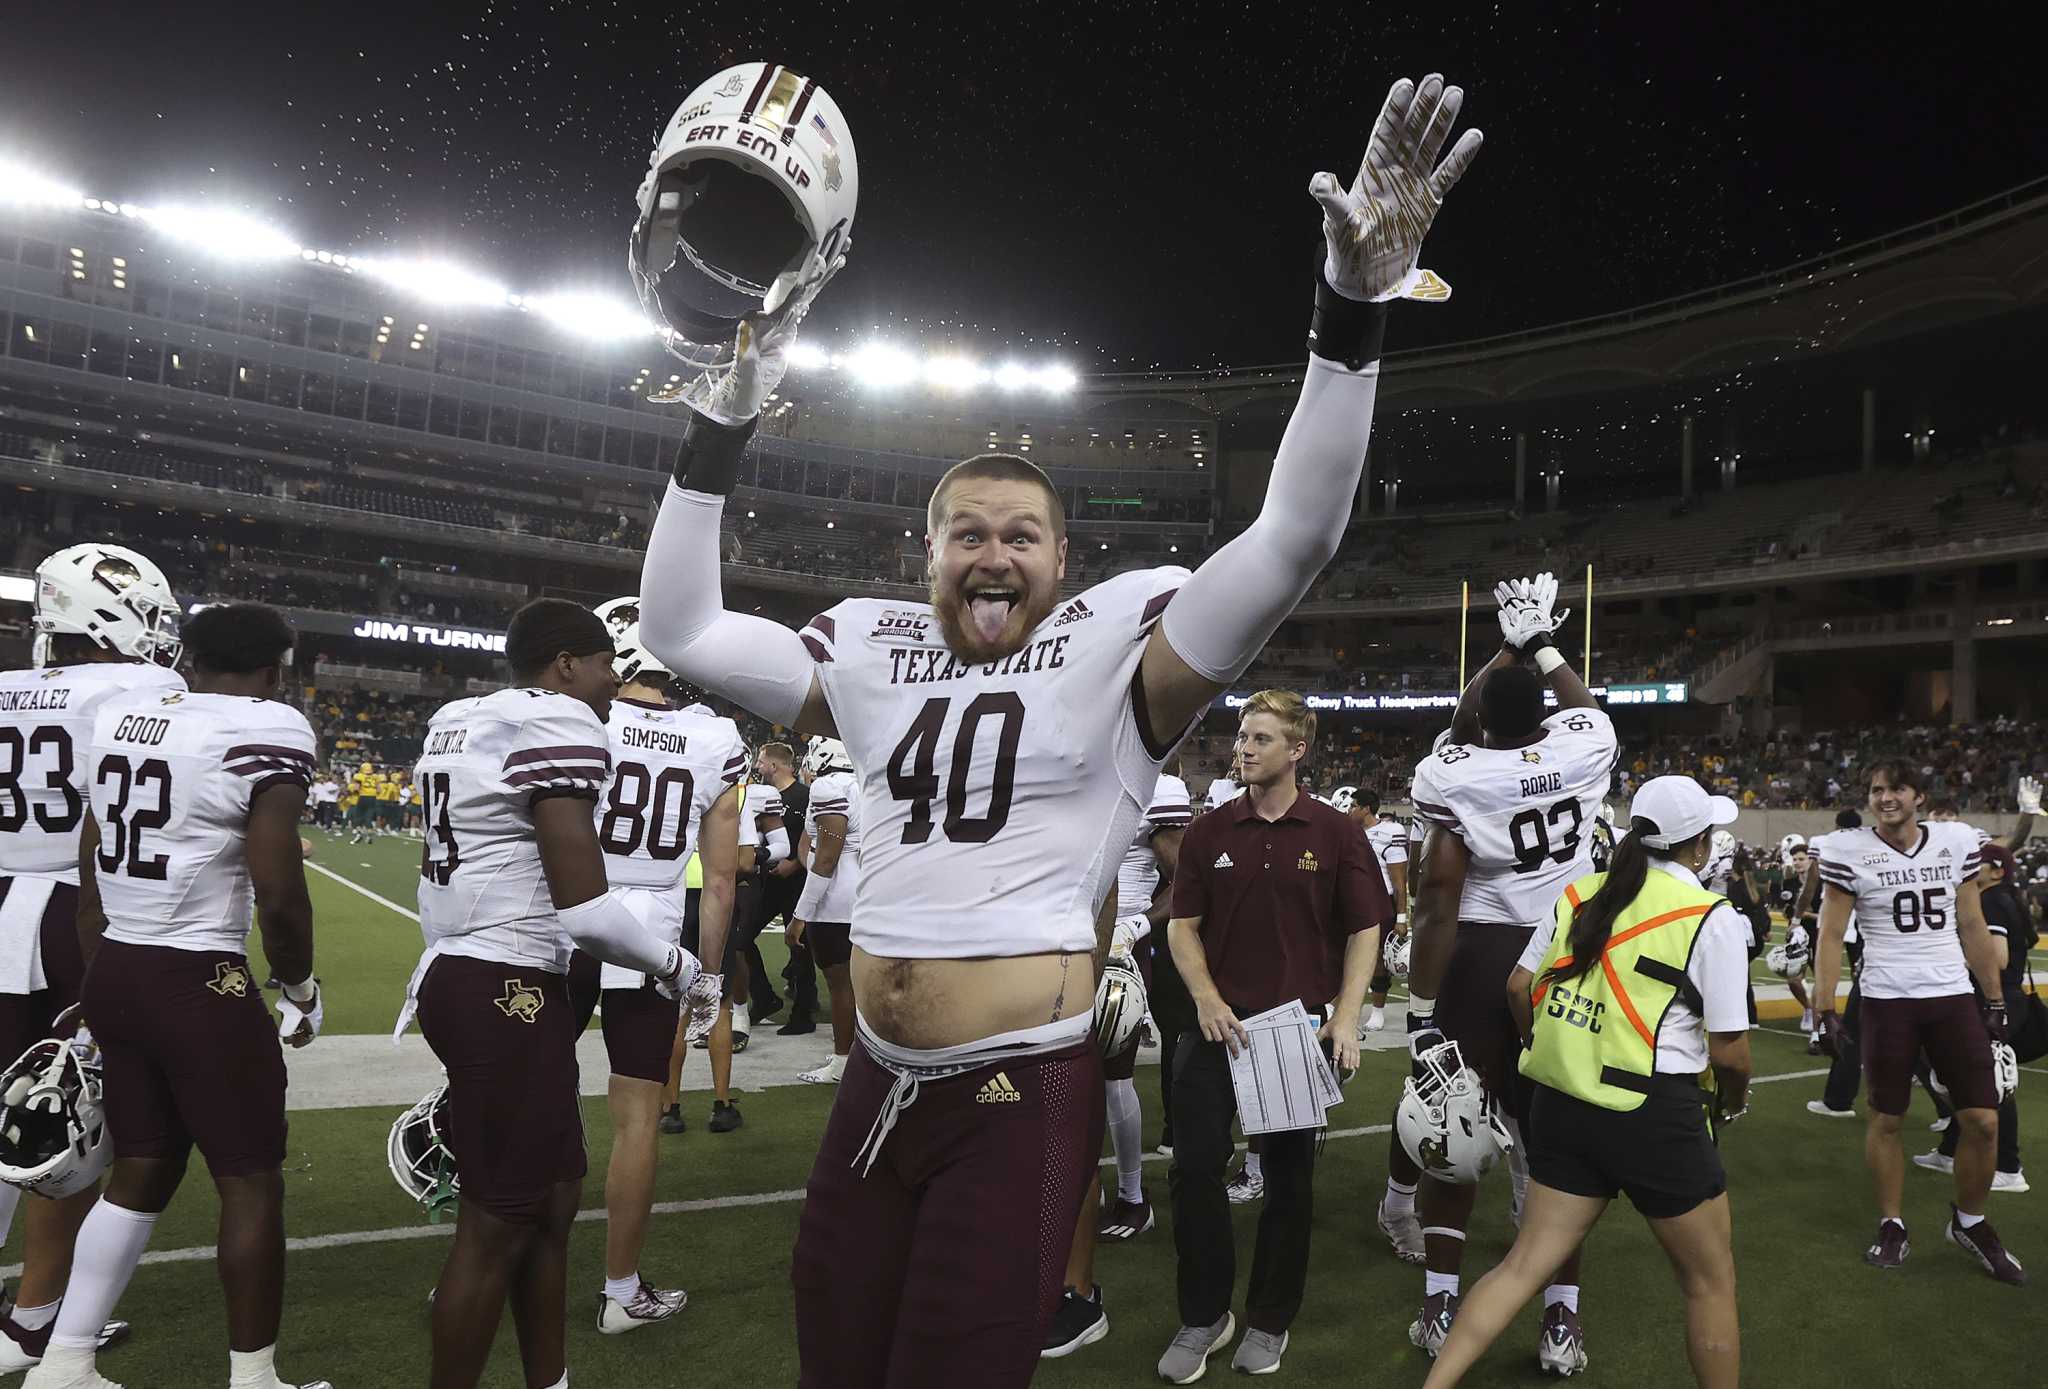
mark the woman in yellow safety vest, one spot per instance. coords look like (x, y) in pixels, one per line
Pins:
(1627, 998)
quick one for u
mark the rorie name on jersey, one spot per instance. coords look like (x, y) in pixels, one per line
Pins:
(1543, 784)
(1923, 873)
(913, 667)
(656, 739)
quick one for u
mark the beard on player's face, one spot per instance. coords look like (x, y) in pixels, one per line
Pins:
(995, 571)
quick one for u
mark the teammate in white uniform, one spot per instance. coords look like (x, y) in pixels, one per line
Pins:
(1510, 800)
(823, 917)
(1007, 746)
(1389, 841)
(1911, 889)
(673, 793)
(196, 798)
(513, 880)
(104, 631)
(1221, 791)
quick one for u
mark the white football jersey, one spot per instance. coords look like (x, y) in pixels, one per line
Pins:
(668, 766)
(1221, 791)
(1905, 906)
(1000, 796)
(1137, 876)
(1389, 841)
(171, 780)
(482, 891)
(1526, 814)
(836, 793)
(46, 719)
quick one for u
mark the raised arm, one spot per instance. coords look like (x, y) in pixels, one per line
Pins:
(1373, 233)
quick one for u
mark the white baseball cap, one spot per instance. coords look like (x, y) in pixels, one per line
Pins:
(1680, 808)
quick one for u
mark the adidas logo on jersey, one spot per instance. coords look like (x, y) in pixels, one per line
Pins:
(1948, 853)
(1223, 861)
(1073, 612)
(999, 1090)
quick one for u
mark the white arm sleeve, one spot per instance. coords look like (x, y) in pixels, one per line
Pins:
(605, 927)
(760, 664)
(778, 843)
(813, 896)
(1226, 610)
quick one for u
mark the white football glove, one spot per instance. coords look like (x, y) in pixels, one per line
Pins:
(299, 1022)
(1526, 609)
(700, 1004)
(1125, 935)
(1374, 229)
(2028, 794)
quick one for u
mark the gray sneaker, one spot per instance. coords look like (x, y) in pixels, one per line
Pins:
(1187, 1359)
(1259, 1353)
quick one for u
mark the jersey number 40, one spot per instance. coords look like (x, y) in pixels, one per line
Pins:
(913, 767)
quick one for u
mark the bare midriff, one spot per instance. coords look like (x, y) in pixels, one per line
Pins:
(928, 1004)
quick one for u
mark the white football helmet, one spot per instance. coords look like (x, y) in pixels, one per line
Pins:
(630, 657)
(420, 1158)
(1447, 1122)
(110, 594)
(2005, 1067)
(1343, 798)
(746, 210)
(1394, 955)
(53, 1129)
(619, 614)
(1788, 846)
(822, 755)
(1119, 1005)
(1790, 959)
(1720, 855)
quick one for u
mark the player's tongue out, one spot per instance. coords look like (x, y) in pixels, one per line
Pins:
(991, 609)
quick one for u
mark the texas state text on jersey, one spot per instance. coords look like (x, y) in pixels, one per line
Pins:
(998, 797)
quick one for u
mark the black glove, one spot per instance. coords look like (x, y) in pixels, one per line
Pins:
(1995, 1020)
(1828, 1032)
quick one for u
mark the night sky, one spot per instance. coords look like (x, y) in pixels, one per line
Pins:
(1124, 185)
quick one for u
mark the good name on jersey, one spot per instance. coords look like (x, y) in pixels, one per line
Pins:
(925, 667)
(653, 739)
(142, 730)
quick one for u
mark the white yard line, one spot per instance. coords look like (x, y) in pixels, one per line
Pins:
(353, 886)
(203, 1252)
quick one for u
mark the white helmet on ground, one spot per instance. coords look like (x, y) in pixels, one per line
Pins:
(1119, 1005)
(1394, 955)
(1446, 1121)
(420, 1158)
(746, 210)
(822, 755)
(111, 595)
(53, 1130)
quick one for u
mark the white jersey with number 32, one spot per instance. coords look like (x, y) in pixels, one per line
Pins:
(172, 779)
(998, 796)
(1905, 906)
(1526, 814)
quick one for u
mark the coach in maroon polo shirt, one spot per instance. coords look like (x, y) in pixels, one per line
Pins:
(1277, 897)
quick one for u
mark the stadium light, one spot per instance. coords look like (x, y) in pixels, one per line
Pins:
(227, 234)
(1013, 376)
(437, 281)
(954, 373)
(23, 185)
(804, 356)
(1056, 378)
(590, 315)
(878, 364)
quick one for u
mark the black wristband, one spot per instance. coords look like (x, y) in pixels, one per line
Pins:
(1345, 330)
(1536, 644)
(709, 457)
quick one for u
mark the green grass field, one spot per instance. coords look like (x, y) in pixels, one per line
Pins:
(1814, 1315)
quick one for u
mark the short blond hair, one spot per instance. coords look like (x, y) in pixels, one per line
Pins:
(996, 467)
(1296, 718)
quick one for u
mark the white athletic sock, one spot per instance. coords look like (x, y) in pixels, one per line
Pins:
(621, 1290)
(1434, 1283)
(1127, 1138)
(110, 1244)
(10, 1200)
(1253, 1167)
(1377, 1018)
(836, 1067)
(563, 1382)
(252, 1369)
(739, 1018)
(35, 1318)
(1968, 1221)
(1399, 1200)
(1567, 1293)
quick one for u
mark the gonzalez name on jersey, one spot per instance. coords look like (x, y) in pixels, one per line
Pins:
(1052, 732)
(482, 891)
(1525, 814)
(1137, 876)
(1905, 905)
(171, 780)
(836, 793)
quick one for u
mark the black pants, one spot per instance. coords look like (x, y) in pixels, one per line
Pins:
(1204, 1106)
(778, 898)
(746, 930)
(1845, 1072)
(1174, 1010)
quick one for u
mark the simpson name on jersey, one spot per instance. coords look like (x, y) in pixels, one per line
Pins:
(985, 786)
(1526, 814)
(1905, 905)
(668, 766)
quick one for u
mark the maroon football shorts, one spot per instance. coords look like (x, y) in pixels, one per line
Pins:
(26, 1019)
(639, 1024)
(1472, 1008)
(1894, 1031)
(507, 1035)
(190, 1056)
(943, 1264)
(831, 942)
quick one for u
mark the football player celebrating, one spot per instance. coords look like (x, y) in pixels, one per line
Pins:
(513, 880)
(822, 919)
(673, 792)
(1510, 799)
(105, 623)
(1912, 891)
(1002, 745)
(195, 804)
